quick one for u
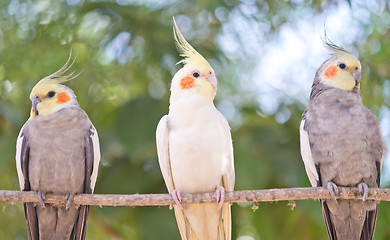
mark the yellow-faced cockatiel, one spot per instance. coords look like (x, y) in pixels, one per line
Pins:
(342, 145)
(58, 152)
(195, 148)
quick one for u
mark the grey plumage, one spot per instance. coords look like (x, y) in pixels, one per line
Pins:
(345, 147)
(347, 150)
(57, 151)
(57, 156)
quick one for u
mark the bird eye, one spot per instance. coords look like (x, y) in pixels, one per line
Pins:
(342, 66)
(51, 94)
(195, 74)
(356, 68)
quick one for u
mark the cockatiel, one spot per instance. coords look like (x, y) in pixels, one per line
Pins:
(58, 152)
(342, 145)
(195, 148)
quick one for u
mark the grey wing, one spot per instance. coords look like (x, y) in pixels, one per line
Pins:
(330, 229)
(92, 159)
(313, 172)
(306, 154)
(22, 163)
(370, 219)
(369, 225)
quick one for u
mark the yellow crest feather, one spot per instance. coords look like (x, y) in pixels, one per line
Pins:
(333, 47)
(58, 77)
(189, 54)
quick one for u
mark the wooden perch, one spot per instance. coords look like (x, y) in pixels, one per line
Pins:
(266, 195)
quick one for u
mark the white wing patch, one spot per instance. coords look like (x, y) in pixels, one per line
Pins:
(162, 142)
(306, 155)
(96, 156)
(18, 158)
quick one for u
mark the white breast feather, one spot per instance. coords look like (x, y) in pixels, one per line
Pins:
(200, 148)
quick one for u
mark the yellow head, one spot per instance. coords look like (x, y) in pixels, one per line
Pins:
(197, 75)
(49, 96)
(342, 70)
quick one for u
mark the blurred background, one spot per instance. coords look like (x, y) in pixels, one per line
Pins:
(265, 54)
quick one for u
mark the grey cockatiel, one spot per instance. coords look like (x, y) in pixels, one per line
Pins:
(57, 152)
(342, 145)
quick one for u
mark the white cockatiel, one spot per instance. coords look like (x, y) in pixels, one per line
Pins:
(195, 149)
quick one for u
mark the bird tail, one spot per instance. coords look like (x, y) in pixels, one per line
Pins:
(345, 221)
(32, 221)
(330, 229)
(369, 225)
(80, 229)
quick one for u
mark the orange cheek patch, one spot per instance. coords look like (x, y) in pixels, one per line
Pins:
(62, 97)
(330, 72)
(187, 82)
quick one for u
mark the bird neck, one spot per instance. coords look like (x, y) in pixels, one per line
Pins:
(319, 88)
(334, 96)
(191, 107)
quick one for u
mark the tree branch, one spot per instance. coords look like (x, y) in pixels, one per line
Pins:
(266, 195)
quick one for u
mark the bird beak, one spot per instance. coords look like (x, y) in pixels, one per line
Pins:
(212, 79)
(35, 102)
(357, 76)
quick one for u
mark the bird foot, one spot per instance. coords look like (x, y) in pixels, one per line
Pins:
(220, 196)
(41, 198)
(363, 189)
(177, 198)
(333, 190)
(69, 198)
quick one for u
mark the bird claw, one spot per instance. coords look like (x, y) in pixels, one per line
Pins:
(220, 196)
(69, 198)
(363, 189)
(41, 198)
(177, 198)
(332, 187)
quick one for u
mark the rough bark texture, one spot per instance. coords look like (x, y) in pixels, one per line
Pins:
(266, 195)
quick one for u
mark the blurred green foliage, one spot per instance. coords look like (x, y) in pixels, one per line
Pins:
(127, 54)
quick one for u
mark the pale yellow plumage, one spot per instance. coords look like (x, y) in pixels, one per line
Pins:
(195, 148)
(193, 61)
(189, 54)
(343, 78)
(53, 82)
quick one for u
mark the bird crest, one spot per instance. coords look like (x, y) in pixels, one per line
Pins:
(189, 54)
(58, 76)
(333, 48)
